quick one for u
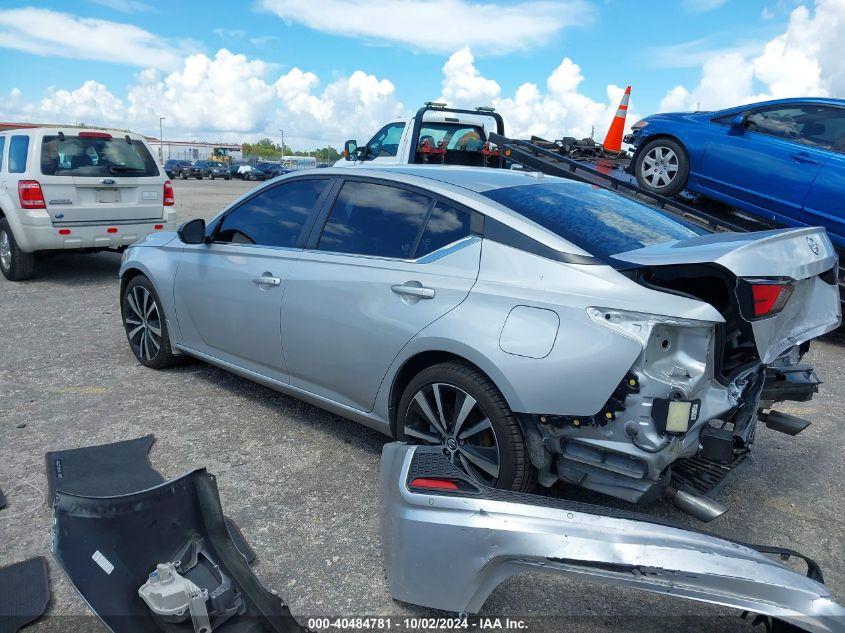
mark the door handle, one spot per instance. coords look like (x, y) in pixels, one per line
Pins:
(268, 281)
(804, 158)
(412, 289)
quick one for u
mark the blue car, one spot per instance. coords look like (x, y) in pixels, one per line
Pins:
(780, 160)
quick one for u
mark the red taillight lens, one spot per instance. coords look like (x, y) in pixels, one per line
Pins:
(111, 229)
(30, 195)
(434, 484)
(769, 298)
(158, 227)
(64, 231)
(168, 197)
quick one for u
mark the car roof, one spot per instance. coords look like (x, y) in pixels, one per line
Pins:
(789, 101)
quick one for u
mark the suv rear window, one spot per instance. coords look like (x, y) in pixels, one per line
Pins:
(95, 156)
(598, 221)
(455, 135)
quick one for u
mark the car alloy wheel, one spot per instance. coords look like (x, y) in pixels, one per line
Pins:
(142, 321)
(660, 166)
(5, 251)
(446, 415)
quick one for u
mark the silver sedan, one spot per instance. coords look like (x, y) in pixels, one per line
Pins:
(532, 327)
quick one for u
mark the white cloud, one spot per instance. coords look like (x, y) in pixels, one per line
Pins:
(436, 25)
(805, 60)
(54, 34)
(559, 111)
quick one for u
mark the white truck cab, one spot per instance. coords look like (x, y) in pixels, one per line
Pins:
(435, 135)
(79, 189)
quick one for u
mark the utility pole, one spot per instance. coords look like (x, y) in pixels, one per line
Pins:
(283, 142)
(161, 138)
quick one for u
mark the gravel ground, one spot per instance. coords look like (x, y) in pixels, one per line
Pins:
(302, 483)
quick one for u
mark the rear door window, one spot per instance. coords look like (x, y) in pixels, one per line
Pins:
(598, 221)
(274, 217)
(18, 152)
(445, 225)
(2, 149)
(95, 156)
(373, 219)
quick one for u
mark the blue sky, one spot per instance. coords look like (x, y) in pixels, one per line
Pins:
(655, 46)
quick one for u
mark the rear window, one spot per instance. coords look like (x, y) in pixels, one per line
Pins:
(598, 221)
(84, 156)
(455, 136)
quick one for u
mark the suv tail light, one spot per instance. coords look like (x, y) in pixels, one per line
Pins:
(168, 197)
(762, 298)
(30, 195)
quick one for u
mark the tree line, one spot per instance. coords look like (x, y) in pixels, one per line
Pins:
(267, 149)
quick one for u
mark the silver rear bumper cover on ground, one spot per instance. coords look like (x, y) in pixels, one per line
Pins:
(448, 550)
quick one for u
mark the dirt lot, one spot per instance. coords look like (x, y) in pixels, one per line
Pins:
(302, 483)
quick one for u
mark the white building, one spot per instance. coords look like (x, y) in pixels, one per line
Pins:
(194, 150)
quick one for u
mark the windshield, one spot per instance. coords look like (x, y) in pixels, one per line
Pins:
(95, 156)
(599, 221)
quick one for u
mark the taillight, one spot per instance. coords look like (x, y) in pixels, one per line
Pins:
(104, 135)
(434, 484)
(763, 297)
(168, 197)
(30, 195)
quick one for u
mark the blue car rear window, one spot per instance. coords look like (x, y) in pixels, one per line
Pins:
(601, 222)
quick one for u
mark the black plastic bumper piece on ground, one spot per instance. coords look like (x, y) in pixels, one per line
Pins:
(797, 384)
(24, 593)
(110, 470)
(785, 423)
(108, 546)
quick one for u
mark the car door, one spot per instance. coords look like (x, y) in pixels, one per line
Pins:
(823, 205)
(388, 261)
(228, 293)
(766, 164)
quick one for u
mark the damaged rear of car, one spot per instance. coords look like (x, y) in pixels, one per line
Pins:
(638, 352)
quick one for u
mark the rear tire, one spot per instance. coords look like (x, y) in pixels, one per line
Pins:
(15, 264)
(662, 167)
(449, 390)
(145, 324)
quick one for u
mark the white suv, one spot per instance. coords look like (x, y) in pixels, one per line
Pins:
(77, 188)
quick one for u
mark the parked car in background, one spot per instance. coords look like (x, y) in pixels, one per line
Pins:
(780, 160)
(272, 169)
(233, 169)
(74, 189)
(191, 170)
(527, 327)
(248, 172)
(173, 167)
(217, 170)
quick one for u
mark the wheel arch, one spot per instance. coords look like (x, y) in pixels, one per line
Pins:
(422, 360)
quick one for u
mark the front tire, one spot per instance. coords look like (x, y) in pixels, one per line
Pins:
(15, 264)
(145, 324)
(662, 167)
(458, 408)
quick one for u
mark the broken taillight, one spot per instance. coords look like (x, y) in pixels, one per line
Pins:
(30, 195)
(434, 484)
(764, 297)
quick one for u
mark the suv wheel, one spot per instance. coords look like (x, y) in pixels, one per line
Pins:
(662, 167)
(15, 264)
(145, 324)
(458, 408)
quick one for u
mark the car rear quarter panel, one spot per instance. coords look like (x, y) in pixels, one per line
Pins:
(586, 361)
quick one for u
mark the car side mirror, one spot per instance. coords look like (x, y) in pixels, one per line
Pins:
(192, 231)
(350, 150)
(739, 121)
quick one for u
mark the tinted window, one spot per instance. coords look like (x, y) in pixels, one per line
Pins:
(274, 217)
(454, 135)
(95, 156)
(370, 219)
(386, 141)
(2, 147)
(819, 126)
(445, 225)
(18, 150)
(600, 222)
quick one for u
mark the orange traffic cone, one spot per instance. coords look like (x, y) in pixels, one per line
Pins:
(613, 140)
